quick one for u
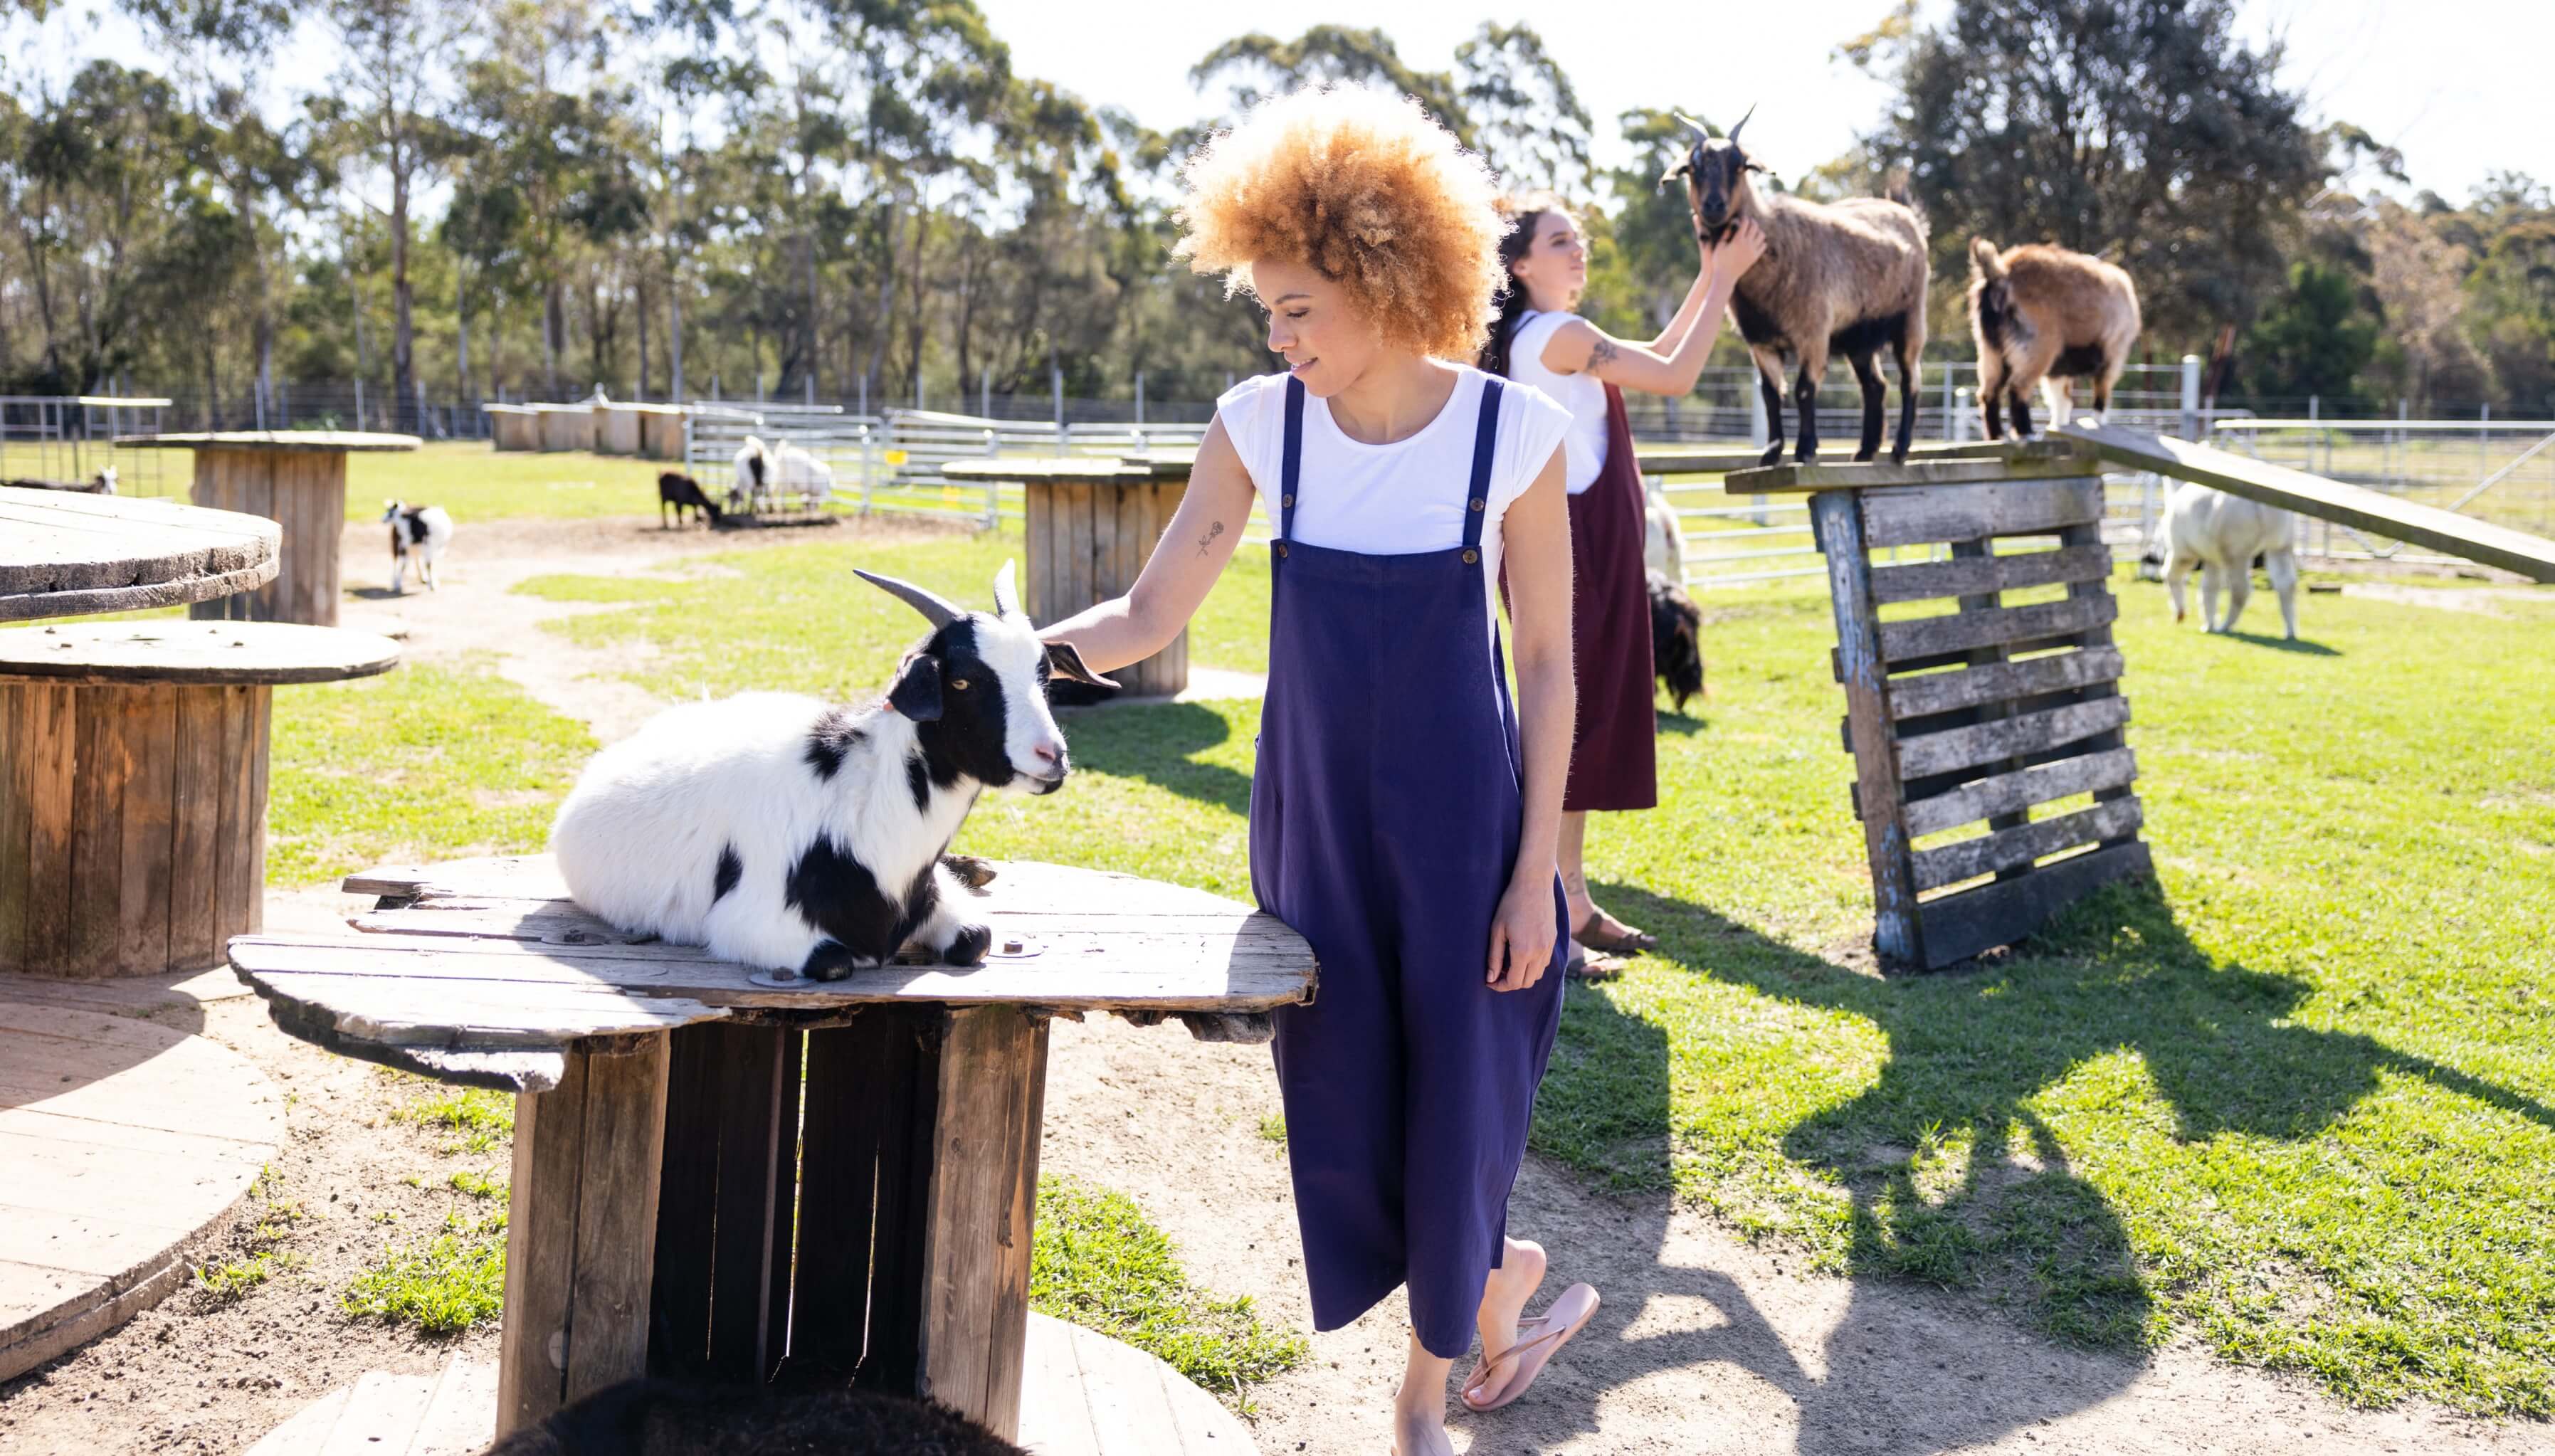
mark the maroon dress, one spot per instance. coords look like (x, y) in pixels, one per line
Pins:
(1612, 754)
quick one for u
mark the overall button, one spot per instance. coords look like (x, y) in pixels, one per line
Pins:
(1290, 502)
(1477, 503)
(1470, 556)
(1282, 548)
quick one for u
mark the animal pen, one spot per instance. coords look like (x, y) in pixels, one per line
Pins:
(1992, 778)
(63, 440)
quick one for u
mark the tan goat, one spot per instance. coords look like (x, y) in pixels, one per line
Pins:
(2046, 315)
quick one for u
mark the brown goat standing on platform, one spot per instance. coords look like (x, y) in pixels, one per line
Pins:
(2045, 315)
(1846, 278)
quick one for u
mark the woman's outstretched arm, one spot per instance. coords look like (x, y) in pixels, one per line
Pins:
(1176, 578)
(1537, 533)
(1582, 347)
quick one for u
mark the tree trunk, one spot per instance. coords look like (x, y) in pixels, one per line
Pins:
(640, 311)
(461, 334)
(554, 332)
(403, 312)
(673, 331)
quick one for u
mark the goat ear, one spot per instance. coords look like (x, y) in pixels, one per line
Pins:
(1682, 169)
(917, 694)
(1007, 596)
(1065, 661)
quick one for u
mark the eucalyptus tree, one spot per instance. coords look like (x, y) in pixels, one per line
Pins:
(1527, 120)
(390, 100)
(1254, 67)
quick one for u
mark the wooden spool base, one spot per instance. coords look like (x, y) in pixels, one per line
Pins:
(1087, 542)
(140, 812)
(304, 491)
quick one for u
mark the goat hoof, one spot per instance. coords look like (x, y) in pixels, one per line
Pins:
(969, 948)
(832, 960)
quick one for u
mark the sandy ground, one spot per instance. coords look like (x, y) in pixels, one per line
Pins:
(1704, 1344)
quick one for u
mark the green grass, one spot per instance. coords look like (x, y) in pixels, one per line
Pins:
(1098, 1262)
(470, 480)
(456, 1280)
(231, 1280)
(2293, 1100)
(484, 1184)
(485, 1121)
(423, 762)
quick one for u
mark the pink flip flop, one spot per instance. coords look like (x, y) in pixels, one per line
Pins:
(1543, 1334)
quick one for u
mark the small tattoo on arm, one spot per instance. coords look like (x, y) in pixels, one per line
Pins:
(1602, 355)
(1213, 529)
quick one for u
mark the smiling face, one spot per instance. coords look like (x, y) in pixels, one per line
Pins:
(1554, 266)
(1313, 326)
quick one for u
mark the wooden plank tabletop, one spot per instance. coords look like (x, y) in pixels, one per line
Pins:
(192, 651)
(1070, 470)
(64, 554)
(320, 441)
(1961, 464)
(490, 959)
(2532, 557)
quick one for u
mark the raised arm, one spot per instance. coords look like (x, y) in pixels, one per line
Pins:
(1536, 536)
(1670, 363)
(1191, 554)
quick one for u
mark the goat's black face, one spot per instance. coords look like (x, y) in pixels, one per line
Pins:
(1716, 178)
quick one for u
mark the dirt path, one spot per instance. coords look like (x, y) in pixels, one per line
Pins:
(1705, 1345)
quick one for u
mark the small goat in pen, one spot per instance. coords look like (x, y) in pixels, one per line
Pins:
(750, 487)
(1845, 278)
(680, 492)
(797, 470)
(2045, 315)
(786, 833)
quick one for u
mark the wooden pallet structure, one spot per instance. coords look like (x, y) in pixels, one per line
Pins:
(1983, 712)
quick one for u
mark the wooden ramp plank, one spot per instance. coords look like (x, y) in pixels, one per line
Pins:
(461, 1417)
(381, 1415)
(2532, 557)
(1086, 1394)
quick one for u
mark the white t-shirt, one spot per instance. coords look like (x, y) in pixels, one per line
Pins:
(1582, 394)
(1403, 498)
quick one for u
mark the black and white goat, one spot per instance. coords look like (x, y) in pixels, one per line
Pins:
(660, 1417)
(790, 834)
(750, 486)
(679, 491)
(1845, 278)
(422, 532)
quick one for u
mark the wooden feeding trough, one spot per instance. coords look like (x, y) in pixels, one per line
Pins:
(661, 431)
(295, 478)
(1982, 713)
(513, 426)
(719, 1174)
(1091, 524)
(566, 426)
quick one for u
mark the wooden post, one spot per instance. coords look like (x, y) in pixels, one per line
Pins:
(140, 812)
(581, 1229)
(977, 1222)
(306, 492)
(1836, 519)
(1087, 542)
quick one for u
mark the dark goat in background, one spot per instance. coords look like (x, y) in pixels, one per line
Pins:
(2046, 315)
(1845, 278)
(675, 489)
(1676, 642)
(654, 1418)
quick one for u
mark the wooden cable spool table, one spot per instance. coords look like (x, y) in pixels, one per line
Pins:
(133, 785)
(1092, 523)
(296, 478)
(722, 1176)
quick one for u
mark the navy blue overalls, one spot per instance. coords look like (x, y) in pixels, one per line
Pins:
(1385, 821)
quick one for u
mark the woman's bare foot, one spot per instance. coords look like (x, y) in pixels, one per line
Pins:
(1420, 1406)
(1420, 1434)
(1504, 1297)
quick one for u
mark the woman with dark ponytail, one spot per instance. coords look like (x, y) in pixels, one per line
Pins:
(1539, 339)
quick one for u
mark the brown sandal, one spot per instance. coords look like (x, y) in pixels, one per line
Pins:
(1584, 966)
(1630, 942)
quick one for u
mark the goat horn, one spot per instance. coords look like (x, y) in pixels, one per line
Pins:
(934, 610)
(1701, 132)
(1742, 121)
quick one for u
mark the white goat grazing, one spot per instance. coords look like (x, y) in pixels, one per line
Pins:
(797, 470)
(751, 482)
(2220, 533)
(1663, 539)
(787, 832)
(105, 480)
(418, 531)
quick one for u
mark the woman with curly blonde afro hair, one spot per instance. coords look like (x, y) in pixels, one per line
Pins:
(1404, 813)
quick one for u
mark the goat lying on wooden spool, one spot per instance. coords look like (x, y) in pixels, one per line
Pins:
(1846, 278)
(787, 832)
(2046, 315)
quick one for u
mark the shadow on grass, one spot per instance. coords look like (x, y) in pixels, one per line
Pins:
(1152, 741)
(1952, 1177)
(2298, 645)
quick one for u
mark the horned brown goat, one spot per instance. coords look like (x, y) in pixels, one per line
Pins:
(1844, 278)
(2046, 315)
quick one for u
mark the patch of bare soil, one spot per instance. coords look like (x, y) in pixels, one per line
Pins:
(201, 1374)
(1704, 1344)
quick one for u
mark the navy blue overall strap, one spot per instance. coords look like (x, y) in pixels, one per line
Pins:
(1485, 437)
(1292, 460)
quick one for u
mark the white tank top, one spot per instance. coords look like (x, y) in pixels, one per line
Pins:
(1583, 448)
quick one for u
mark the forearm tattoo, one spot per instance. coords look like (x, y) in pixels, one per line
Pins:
(1213, 529)
(1602, 355)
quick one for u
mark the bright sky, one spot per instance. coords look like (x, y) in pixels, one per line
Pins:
(2458, 84)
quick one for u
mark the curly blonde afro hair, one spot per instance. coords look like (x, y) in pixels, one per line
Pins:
(1368, 191)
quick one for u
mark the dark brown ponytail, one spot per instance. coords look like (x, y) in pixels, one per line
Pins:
(1525, 214)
